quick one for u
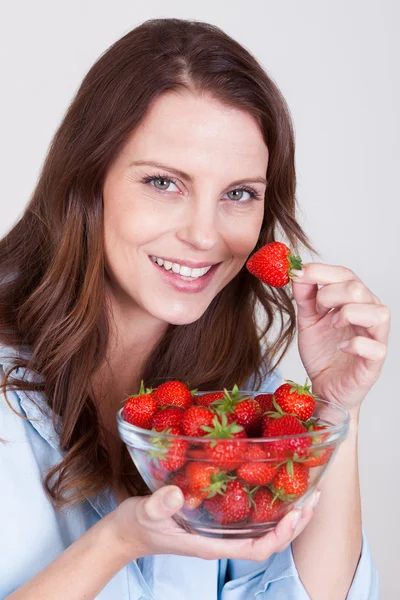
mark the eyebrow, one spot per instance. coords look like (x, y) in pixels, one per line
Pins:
(187, 177)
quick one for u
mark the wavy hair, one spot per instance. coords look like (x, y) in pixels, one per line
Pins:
(52, 271)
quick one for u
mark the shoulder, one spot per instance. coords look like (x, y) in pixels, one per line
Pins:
(269, 382)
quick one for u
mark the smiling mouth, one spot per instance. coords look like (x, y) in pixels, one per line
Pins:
(180, 271)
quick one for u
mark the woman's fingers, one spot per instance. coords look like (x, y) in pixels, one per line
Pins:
(338, 294)
(365, 348)
(375, 318)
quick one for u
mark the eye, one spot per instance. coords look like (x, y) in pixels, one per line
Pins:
(160, 183)
(237, 195)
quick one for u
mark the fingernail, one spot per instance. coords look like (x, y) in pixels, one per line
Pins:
(343, 344)
(297, 273)
(172, 499)
(296, 518)
(316, 499)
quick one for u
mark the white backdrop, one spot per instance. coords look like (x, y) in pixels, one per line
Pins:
(336, 63)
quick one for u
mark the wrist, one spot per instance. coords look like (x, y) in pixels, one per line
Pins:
(116, 541)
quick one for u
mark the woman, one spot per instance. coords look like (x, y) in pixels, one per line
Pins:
(177, 146)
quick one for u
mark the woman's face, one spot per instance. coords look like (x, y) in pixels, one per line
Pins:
(173, 193)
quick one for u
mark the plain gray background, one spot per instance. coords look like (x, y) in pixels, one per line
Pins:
(336, 63)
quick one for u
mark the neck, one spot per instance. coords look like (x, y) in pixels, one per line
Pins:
(134, 334)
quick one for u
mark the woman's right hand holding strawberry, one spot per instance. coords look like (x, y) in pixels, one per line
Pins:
(144, 526)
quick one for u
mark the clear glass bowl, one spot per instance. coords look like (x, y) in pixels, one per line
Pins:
(314, 451)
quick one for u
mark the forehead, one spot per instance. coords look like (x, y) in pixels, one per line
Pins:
(199, 132)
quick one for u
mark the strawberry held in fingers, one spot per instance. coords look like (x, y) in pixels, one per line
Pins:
(139, 409)
(273, 264)
(174, 393)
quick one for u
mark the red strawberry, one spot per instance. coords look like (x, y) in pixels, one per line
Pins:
(296, 399)
(317, 457)
(286, 447)
(247, 412)
(230, 507)
(291, 481)
(273, 264)
(265, 401)
(194, 419)
(265, 507)
(257, 470)
(206, 478)
(173, 393)
(139, 409)
(168, 453)
(207, 399)
(192, 499)
(167, 417)
(226, 452)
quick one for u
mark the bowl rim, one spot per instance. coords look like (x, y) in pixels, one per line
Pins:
(340, 427)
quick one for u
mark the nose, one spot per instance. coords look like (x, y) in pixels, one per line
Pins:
(200, 228)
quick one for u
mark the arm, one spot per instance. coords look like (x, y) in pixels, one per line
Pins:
(326, 553)
(90, 562)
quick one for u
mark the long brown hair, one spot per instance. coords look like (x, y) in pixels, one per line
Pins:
(52, 274)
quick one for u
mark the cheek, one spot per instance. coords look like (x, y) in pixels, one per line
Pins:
(243, 237)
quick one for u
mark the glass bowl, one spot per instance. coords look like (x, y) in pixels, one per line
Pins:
(251, 482)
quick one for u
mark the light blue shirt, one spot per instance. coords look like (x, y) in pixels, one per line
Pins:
(32, 533)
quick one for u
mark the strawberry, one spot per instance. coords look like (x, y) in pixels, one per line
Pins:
(207, 399)
(320, 456)
(206, 478)
(257, 470)
(194, 419)
(287, 425)
(167, 417)
(192, 499)
(291, 481)
(168, 453)
(296, 399)
(226, 452)
(231, 506)
(266, 403)
(247, 412)
(139, 409)
(273, 264)
(174, 393)
(264, 506)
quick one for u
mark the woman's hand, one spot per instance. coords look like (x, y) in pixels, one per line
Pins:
(342, 350)
(144, 526)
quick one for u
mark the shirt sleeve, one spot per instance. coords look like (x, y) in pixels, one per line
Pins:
(277, 578)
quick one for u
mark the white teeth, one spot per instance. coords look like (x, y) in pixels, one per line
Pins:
(182, 270)
(187, 271)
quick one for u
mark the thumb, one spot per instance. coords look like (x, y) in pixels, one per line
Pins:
(163, 503)
(305, 295)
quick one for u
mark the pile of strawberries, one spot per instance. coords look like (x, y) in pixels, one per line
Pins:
(229, 475)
